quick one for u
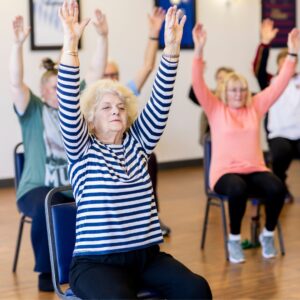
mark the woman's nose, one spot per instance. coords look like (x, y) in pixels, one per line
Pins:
(115, 110)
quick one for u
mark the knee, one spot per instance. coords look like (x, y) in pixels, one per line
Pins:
(276, 191)
(198, 289)
(237, 192)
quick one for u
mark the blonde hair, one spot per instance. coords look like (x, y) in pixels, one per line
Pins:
(282, 54)
(95, 92)
(233, 77)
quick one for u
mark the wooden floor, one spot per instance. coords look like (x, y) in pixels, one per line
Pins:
(182, 208)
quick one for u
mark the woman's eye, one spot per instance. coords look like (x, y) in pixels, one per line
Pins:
(105, 107)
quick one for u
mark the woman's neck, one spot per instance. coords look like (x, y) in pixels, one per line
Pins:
(112, 139)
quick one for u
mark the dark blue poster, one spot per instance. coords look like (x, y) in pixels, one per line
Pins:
(283, 13)
(189, 9)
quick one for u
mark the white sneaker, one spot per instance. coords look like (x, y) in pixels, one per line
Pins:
(267, 244)
(236, 254)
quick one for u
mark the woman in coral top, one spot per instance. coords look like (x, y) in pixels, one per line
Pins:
(237, 165)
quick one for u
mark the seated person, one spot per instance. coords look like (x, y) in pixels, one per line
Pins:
(117, 227)
(46, 162)
(237, 163)
(283, 119)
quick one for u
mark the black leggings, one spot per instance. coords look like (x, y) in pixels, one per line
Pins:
(238, 187)
(121, 275)
(283, 151)
(32, 204)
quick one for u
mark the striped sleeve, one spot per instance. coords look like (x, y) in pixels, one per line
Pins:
(150, 124)
(72, 124)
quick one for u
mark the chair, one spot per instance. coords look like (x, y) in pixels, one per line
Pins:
(215, 199)
(61, 222)
(19, 159)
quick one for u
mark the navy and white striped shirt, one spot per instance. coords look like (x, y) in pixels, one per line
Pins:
(116, 211)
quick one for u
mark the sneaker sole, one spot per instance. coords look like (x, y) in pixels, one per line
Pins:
(234, 261)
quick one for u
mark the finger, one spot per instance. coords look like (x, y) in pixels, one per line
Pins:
(169, 14)
(64, 9)
(178, 15)
(76, 11)
(182, 21)
(173, 16)
(84, 23)
(71, 8)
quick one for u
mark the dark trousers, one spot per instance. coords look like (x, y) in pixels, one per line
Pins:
(283, 151)
(32, 204)
(153, 169)
(121, 275)
(239, 187)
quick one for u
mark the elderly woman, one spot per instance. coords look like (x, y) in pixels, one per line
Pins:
(237, 166)
(117, 228)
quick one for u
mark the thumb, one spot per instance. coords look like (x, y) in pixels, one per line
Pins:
(84, 23)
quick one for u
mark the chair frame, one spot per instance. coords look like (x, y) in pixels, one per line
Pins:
(52, 242)
(215, 199)
(24, 219)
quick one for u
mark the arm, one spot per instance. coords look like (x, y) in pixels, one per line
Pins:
(204, 96)
(155, 21)
(268, 96)
(150, 124)
(73, 126)
(260, 66)
(19, 90)
(99, 59)
(267, 34)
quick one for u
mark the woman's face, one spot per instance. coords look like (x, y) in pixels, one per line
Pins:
(110, 117)
(48, 91)
(236, 94)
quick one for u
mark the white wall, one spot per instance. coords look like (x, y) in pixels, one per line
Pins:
(233, 34)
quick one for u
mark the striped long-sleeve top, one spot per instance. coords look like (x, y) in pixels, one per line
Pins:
(116, 211)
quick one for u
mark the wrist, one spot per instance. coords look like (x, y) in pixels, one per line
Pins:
(172, 50)
(265, 42)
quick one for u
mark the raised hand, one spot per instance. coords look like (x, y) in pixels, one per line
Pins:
(68, 14)
(173, 30)
(100, 23)
(294, 41)
(199, 38)
(155, 21)
(20, 33)
(267, 31)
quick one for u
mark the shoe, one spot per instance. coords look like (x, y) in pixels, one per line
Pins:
(267, 244)
(289, 198)
(236, 254)
(45, 282)
(165, 229)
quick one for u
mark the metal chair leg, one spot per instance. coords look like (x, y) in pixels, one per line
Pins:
(280, 238)
(223, 213)
(205, 223)
(19, 239)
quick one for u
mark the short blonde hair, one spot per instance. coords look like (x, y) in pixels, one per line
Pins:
(95, 92)
(233, 77)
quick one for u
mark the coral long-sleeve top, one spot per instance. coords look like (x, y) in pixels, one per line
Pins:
(235, 133)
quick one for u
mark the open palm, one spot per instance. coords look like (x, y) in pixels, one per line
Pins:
(174, 27)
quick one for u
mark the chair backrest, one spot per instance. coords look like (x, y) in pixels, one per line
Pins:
(206, 161)
(19, 160)
(61, 220)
